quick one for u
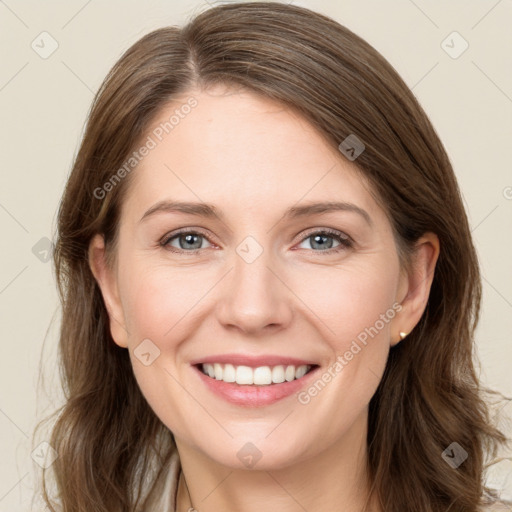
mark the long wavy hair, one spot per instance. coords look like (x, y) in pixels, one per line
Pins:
(111, 446)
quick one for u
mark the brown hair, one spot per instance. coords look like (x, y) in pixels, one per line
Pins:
(108, 439)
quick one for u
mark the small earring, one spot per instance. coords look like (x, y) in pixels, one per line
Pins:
(403, 335)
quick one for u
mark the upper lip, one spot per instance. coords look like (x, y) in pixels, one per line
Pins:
(253, 361)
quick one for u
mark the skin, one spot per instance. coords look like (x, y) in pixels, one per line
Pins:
(253, 158)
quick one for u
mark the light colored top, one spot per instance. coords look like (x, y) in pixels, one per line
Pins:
(163, 499)
(503, 507)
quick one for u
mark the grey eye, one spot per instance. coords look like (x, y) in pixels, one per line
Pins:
(187, 241)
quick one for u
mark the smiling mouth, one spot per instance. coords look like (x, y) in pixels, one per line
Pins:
(259, 376)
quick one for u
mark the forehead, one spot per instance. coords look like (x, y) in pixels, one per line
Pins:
(240, 150)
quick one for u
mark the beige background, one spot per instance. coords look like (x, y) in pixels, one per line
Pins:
(44, 103)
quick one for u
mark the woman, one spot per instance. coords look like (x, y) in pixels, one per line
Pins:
(268, 281)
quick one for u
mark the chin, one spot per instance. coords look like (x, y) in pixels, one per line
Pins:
(258, 454)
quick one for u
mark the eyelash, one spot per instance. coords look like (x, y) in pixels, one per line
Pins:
(345, 241)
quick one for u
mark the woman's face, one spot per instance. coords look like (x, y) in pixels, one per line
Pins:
(256, 284)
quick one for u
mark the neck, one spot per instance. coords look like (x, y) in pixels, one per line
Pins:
(334, 479)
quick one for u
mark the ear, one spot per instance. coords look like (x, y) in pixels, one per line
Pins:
(414, 288)
(107, 281)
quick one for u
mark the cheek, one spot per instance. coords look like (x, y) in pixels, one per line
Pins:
(159, 306)
(351, 300)
(157, 300)
(356, 308)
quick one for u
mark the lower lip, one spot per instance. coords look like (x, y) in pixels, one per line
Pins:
(253, 395)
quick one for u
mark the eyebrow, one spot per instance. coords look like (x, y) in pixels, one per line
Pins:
(210, 211)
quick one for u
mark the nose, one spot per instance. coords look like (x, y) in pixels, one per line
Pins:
(254, 297)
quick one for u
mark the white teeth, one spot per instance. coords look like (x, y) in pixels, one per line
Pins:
(300, 371)
(278, 374)
(229, 374)
(217, 369)
(289, 374)
(244, 375)
(260, 376)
